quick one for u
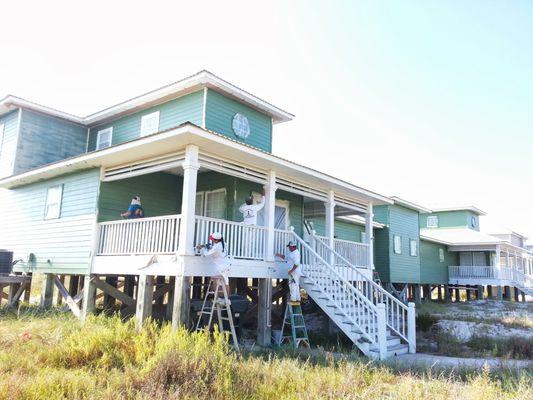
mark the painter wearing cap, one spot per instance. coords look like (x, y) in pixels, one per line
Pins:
(292, 259)
(217, 254)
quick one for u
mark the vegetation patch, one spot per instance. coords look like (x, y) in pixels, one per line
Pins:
(50, 355)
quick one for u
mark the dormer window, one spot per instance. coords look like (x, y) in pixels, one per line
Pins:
(432, 221)
(104, 138)
(150, 123)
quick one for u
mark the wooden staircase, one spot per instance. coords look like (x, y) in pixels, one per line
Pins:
(376, 322)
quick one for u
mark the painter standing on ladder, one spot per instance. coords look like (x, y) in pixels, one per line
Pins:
(217, 253)
(295, 270)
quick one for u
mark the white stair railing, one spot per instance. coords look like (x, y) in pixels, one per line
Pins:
(356, 253)
(351, 302)
(398, 318)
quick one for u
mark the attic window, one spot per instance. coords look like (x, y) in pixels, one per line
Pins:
(104, 138)
(240, 126)
(433, 221)
(150, 123)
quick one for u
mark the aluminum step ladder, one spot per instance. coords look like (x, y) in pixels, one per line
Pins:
(294, 320)
(222, 305)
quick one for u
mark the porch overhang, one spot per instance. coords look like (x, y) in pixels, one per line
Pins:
(168, 146)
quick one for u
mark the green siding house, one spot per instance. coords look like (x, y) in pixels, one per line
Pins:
(192, 151)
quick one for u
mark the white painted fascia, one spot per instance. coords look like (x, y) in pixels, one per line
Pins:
(408, 204)
(473, 209)
(11, 102)
(268, 160)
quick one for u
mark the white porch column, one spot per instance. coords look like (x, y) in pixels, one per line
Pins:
(330, 222)
(507, 259)
(270, 214)
(369, 234)
(497, 257)
(190, 174)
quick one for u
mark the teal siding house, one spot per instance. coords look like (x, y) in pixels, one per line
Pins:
(193, 151)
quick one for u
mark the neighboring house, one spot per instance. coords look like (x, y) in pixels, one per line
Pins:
(192, 151)
(456, 254)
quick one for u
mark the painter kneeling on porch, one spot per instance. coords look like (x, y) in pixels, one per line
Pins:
(135, 209)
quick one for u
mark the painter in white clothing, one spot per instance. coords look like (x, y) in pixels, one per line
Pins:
(293, 261)
(250, 210)
(217, 254)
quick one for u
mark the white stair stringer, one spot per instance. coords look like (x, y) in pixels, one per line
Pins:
(366, 324)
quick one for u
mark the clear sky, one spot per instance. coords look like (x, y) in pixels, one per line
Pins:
(427, 100)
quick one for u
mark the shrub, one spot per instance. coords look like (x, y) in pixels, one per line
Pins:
(424, 322)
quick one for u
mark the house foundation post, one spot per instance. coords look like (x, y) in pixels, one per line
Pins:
(480, 292)
(447, 294)
(489, 291)
(89, 296)
(181, 302)
(507, 293)
(145, 295)
(457, 295)
(468, 293)
(109, 301)
(418, 296)
(170, 300)
(47, 293)
(499, 290)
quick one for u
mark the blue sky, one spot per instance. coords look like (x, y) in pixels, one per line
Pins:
(427, 100)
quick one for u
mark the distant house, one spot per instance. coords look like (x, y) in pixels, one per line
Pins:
(192, 151)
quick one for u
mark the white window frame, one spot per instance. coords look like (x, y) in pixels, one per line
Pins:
(57, 212)
(434, 224)
(441, 255)
(102, 132)
(145, 123)
(413, 247)
(397, 244)
(204, 195)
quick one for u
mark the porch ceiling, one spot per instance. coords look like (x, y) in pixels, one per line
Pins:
(174, 141)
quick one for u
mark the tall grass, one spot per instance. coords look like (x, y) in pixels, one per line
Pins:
(51, 356)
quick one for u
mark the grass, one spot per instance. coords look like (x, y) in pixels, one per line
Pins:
(49, 355)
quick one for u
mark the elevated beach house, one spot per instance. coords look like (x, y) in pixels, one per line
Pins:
(192, 151)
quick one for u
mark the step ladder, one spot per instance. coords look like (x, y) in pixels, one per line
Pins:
(222, 305)
(294, 320)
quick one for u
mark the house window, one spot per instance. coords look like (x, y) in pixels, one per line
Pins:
(397, 244)
(150, 123)
(433, 221)
(211, 204)
(104, 137)
(53, 202)
(441, 255)
(413, 248)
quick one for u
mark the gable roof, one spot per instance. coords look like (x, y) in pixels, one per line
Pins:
(184, 86)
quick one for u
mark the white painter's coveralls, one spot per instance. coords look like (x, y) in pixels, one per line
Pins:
(219, 258)
(249, 212)
(249, 215)
(292, 259)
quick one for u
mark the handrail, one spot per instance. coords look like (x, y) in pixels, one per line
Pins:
(133, 220)
(370, 334)
(390, 300)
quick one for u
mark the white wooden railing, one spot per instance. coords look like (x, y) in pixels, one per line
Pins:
(396, 311)
(355, 252)
(242, 241)
(281, 238)
(157, 235)
(510, 275)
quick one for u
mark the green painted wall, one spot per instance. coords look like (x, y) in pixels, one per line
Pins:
(432, 270)
(8, 142)
(61, 245)
(453, 219)
(220, 111)
(343, 229)
(160, 195)
(404, 222)
(44, 139)
(172, 113)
